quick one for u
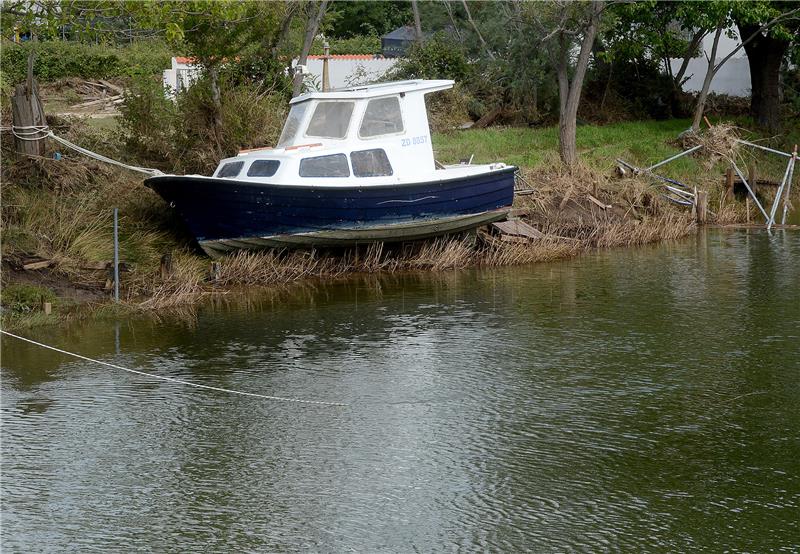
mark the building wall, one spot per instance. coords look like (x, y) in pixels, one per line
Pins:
(347, 71)
(733, 78)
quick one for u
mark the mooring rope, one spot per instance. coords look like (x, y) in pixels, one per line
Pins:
(40, 132)
(173, 380)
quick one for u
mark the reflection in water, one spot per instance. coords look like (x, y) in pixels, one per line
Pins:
(642, 399)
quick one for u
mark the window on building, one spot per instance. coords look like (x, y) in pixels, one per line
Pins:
(230, 169)
(263, 168)
(382, 117)
(292, 125)
(325, 166)
(330, 120)
(370, 163)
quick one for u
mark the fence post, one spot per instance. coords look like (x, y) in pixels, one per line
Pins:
(116, 255)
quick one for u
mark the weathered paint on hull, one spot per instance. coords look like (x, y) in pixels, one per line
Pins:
(234, 214)
(398, 232)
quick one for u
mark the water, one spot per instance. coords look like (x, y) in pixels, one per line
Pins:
(638, 400)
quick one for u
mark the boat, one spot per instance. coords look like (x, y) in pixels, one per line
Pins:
(351, 166)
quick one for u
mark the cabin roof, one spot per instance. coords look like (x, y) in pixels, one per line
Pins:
(381, 89)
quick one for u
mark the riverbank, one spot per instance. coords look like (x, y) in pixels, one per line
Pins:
(59, 215)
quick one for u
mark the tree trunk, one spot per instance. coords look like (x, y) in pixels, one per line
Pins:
(311, 31)
(417, 22)
(278, 39)
(697, 38)
(764, 56)
(27, 112)
(475, 28)
(570, 93)
(216, 100)
(701, 99)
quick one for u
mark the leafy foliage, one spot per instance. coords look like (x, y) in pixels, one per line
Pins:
(366, 18)
(56, 60)
(180, 136)
(437, 58)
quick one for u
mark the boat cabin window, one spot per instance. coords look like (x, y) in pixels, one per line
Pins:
(292, 125)
(382, 117)
(330, 120)
(263, 168)
(370, 163)
(325, 166)
(230, 169)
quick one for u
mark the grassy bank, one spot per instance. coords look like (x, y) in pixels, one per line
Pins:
(61, 212)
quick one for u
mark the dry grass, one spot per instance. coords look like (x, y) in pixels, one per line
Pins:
(719, 142)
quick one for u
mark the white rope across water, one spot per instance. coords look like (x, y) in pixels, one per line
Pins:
(178, 381)
(39, 132)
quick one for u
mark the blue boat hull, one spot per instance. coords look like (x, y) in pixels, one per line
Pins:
(225, 214)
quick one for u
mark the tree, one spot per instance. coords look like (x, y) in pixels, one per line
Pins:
(417, 22)
(360, 17)
(565, 25)
(721, 14)
(765, 55)
(315, 15)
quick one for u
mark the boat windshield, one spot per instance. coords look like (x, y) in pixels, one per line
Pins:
(292, 125)
(330, 120)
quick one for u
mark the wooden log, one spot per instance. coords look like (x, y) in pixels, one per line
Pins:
(111, 86)
(728, 183)
(166, 266)
(488, 118)
(216, 270)
(27, 111)
(702, 207)
(95, 266)
(41, 264)
(598, 203)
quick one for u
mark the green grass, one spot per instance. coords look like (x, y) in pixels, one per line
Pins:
(641, 143)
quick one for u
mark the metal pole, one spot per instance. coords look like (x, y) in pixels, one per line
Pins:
(764, 148)
(116, 255)
(753, 194)
(788, 187)
(780, 193)
(675, 157)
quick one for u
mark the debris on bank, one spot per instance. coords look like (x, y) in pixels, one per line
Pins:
(721, 143)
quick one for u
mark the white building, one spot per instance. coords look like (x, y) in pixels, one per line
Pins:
(733, 78)
(180, 76)
(346, 70)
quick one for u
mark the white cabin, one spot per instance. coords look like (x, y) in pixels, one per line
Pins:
(375, 134)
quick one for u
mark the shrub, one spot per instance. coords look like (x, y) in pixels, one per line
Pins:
(23, 298)
(56, 60)
(439, 57)
(147, 121)
(181, 136)
(359, 44)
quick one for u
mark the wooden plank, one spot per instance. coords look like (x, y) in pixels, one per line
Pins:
(41, 264)
(598, 203)
(517, 228)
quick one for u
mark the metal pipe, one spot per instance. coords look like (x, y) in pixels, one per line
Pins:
(753, 194)
(116, 256)
(764, 148)
(675, 157)
(778, 195)
(788, 188)
(679, 191)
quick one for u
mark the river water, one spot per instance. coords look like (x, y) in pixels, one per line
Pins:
(644, 399)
